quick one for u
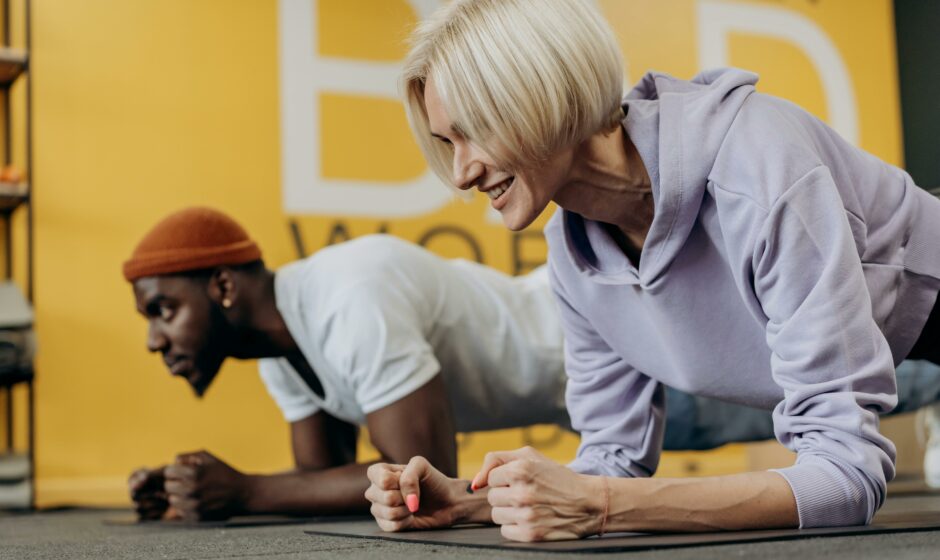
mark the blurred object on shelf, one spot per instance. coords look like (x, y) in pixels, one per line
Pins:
(17, 338)
(14, 467)
(11, 174)
(13, 189)
(15, 495)
(12, 63)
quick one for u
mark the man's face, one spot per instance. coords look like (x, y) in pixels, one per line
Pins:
(185, 326)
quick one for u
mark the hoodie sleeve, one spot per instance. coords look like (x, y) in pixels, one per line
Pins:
(617, 410)
(827, 353)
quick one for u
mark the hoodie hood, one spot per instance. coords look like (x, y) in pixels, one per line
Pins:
(678, 128)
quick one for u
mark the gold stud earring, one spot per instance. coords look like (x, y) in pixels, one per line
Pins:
(226, 303)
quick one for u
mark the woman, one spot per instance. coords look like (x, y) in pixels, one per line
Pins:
(711, 238)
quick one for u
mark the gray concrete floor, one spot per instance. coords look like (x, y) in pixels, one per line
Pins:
(83, 534)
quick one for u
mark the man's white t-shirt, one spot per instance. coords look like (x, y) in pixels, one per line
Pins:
(378, 317)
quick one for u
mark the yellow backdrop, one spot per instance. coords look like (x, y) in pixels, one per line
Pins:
(144, 107)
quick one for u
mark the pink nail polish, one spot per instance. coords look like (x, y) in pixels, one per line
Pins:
(411, 500)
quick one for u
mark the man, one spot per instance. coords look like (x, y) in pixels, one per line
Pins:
(374, 332)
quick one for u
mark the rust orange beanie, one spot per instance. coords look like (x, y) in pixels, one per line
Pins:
(191, 239)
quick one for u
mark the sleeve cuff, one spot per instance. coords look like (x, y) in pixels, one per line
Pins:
(604, 462)
(583, 465)
(828, 495)
(296, 413)
(417, 379)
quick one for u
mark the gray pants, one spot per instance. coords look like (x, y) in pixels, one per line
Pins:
(694, 423)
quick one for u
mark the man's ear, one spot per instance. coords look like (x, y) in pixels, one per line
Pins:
(223, 288)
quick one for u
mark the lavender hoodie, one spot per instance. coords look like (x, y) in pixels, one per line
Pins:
(784, 269)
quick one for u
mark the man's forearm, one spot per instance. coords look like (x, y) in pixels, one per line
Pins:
(326, 491)
(340, 490)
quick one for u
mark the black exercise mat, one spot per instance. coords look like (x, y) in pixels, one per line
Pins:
(235, 522)
(489, 537)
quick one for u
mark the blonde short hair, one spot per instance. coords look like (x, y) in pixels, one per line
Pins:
(520, 78)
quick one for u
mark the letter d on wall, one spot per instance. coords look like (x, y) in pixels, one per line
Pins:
(304, 74)
(717, 19)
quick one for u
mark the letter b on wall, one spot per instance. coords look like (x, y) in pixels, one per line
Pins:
(315, 89)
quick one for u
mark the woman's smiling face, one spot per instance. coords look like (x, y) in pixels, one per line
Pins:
(518, 195)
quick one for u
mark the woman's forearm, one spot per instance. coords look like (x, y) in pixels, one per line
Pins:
(758, 500)
(471, 507)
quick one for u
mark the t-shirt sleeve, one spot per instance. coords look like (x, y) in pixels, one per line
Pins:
(377, 341)
(828, 355)
(618, 410)
(286, 388)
